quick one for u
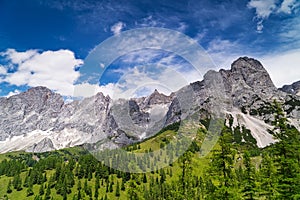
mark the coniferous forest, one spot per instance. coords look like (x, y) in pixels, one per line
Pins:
(234, 169)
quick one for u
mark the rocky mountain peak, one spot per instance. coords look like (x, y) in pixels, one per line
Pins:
(157, 98)
(251, 72)
(43, 121)
(246, 62)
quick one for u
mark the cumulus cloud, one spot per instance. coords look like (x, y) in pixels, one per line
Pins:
(264, 8)
(117, 28)
(53, 69)
(18, 57)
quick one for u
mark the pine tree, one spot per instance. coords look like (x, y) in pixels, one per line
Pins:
(249, 190)
(85, 186)
(9, 190)
(132, 193)
(117, 189)
(111, 187)
(41, 190)
(185, 164)
(17, 182)
(123, 185)
(268, 179)
(144, 178)
(222, 166)
(96, 195)
(29, 189)
(48, 193)
(287, 154)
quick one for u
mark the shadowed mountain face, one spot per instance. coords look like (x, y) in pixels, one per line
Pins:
(39, 120)
(292, 89)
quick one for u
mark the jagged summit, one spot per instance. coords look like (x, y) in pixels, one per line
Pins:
(243, 62)
(157, 98)
(39, 119)
(251, 72)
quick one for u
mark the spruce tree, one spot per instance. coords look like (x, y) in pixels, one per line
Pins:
(268, 178)
(117, 189)
(221, 168)
(29, 189)
(9, 190)
(249, 190)
(41, 190)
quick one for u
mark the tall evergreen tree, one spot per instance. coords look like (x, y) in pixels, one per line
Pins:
(9, 190)
(287, 154)
(222, 166)
(268, 178)
(249, 190)
(117, 189)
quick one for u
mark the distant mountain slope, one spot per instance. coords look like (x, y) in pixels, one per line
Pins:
(294, 88)
(39, 120)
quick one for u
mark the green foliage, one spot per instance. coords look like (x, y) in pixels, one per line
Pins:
(235, 169)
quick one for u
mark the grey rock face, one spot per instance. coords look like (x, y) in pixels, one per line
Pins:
(246, 87)
(246, 80)
(43, 146)
(292, 89)
(37, 108)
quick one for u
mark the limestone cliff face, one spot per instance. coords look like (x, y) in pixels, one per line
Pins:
(39, 120)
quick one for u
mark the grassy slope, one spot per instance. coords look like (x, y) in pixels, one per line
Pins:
(200, 164)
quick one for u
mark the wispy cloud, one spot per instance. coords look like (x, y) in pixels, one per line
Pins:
(117, 28)
(264, 8)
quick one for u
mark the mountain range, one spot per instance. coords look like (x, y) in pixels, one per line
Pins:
(39, 119)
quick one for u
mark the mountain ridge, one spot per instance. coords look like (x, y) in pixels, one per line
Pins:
(40, 118)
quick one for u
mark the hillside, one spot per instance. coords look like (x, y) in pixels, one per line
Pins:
(234, 169)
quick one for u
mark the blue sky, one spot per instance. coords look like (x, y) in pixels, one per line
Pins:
(46, 42)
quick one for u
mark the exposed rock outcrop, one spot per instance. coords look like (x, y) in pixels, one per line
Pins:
(41, 118)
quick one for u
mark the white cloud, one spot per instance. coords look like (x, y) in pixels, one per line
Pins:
(53, 69)
(264, 8)
(287, 6)
(11, 93)
(18, 57)
(2, 70)
(117, 28)
(284, 68)
(87, 89)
